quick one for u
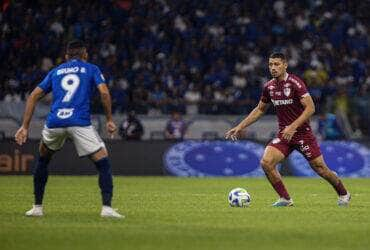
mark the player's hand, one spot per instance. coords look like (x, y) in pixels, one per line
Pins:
(233, 133)
(21, 135)
(111, 128)
(288, 132)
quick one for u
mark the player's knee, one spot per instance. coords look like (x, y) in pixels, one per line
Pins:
(44, 151)
(102, 153)
(320, 169)
(267, 164)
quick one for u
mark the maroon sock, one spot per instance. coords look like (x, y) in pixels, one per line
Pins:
(281, 190)
(340, 189)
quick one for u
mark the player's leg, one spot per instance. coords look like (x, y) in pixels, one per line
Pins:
(88, 143)
(307, 145)
(103, 166)
(52, 140)
(271, 157)
(319, 166)
(41, 173)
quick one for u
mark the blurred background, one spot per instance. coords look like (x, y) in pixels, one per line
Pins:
(181, 73)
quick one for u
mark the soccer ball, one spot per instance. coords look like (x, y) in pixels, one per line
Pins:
(239, 197)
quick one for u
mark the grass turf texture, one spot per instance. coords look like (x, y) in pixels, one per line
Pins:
(183, 213)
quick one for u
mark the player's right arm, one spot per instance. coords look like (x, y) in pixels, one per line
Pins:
(107, 105)
(253, 116)
(22, 133)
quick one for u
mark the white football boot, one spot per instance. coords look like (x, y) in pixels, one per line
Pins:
(110, 213)
(282, 202)
(36, 211)
(343, 200)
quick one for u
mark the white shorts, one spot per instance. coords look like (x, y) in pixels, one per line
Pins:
(86, 139)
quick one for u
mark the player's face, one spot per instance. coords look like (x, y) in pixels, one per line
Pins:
(277, 67)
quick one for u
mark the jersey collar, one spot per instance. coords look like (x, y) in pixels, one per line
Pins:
(285, 79)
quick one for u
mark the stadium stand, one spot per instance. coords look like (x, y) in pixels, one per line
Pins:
(204, 57)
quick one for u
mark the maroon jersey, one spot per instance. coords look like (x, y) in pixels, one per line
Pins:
(285, 96)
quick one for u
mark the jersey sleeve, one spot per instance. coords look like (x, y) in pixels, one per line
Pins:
(265, 96)
(300, 88)
(46, 84)
(98, 76)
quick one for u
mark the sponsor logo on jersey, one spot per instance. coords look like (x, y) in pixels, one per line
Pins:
(282, 102)
(65, 113)
(287, 92)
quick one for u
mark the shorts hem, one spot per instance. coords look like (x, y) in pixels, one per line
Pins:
(272, 145)
(88, 154)
(53, 150)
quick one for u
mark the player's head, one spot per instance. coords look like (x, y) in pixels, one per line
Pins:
(76, 49)
(277, 64)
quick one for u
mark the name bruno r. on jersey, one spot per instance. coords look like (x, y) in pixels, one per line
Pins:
(71, 70)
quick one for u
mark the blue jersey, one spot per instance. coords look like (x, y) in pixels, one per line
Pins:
(72, 85)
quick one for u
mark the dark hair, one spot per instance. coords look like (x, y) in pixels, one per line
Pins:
(75, 48)
(278, 55)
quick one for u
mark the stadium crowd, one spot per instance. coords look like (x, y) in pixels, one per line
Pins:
(204, 57)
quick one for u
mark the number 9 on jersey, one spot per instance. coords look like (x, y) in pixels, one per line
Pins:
(70, 84)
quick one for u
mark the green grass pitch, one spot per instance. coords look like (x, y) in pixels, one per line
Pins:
(183, 213)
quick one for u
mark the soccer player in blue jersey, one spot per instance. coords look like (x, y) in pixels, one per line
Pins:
(72, 84)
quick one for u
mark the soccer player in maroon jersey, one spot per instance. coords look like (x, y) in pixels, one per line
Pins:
(294, 107)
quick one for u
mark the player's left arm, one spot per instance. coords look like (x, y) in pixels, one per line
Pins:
(309, 110)
(22, 133)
